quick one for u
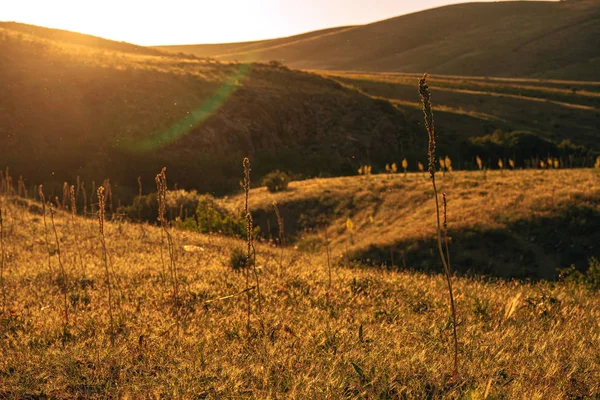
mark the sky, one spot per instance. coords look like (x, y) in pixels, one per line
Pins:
(156, 22)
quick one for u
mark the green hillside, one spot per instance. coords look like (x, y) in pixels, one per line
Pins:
(509, 39)
(75, 105)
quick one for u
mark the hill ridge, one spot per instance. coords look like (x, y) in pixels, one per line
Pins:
(505, 39)
(78, 39)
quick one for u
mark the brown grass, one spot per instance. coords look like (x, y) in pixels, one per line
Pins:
(526, 199)
(519, 339)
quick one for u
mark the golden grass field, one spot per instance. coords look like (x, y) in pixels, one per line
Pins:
(350, 300)
(375, 333)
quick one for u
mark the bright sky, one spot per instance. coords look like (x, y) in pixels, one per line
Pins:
(154, 22)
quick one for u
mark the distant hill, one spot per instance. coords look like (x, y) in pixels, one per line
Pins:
(504, 39)
(74, 38)
(75, 105)
(472, 109)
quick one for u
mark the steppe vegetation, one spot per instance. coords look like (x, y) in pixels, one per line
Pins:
(128, 309)
(197, 281)
(373, 331)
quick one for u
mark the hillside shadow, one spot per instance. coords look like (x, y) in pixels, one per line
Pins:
(527, 249)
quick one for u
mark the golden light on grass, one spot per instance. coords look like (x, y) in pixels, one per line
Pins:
(305, 318)
(430, 126)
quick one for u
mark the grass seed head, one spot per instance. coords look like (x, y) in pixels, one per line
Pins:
(429, 122)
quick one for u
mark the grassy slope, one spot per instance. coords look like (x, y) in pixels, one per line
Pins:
(380, 335)
(78, 39)
(523, 223)
(544, 39)
(231, 49)
(556, 110)
(78, 105)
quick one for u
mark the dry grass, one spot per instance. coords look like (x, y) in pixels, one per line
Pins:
(515, 203)
(378, 334)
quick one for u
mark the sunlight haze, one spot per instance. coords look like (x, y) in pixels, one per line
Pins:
(189, 22)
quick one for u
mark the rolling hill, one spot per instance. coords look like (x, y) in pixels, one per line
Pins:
(75, 105)
(504, 39)
(474, 113)
(508, 224)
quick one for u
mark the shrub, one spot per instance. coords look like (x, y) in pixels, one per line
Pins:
(237, 259)
(180, 203)
(589, 278)
(213, 218)
(190, 211)
(276, 181)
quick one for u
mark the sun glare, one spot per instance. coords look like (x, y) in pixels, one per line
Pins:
(203, 21)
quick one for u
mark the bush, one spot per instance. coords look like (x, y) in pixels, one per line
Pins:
(237, 259)
(181, 204)
(190, 211)
(589, 278)
(212, 218)
(276, 181)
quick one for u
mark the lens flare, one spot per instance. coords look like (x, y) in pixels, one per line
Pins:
(194, 118)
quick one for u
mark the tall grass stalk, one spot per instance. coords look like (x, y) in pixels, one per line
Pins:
(2, 261)
(109, 197)
(246, 185)
(22, 189)
(329, 283)
(161, 185)
(82, 187)
(250, 245)
(75, 228)
(139, 181)
(161, 198)
(65, 196)
(429, 125)
(281, 235)
(77, 191)
(92, 205)
(101, 221)
(43, 199)
(64, 287)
